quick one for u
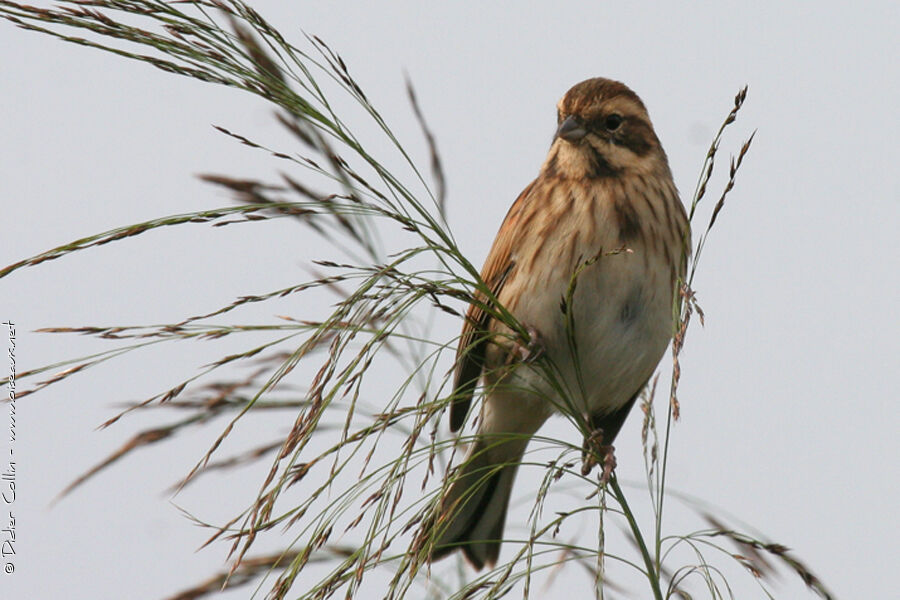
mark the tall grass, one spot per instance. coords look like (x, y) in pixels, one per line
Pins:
(347, 489)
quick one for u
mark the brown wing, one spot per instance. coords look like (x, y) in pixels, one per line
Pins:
(474, 337)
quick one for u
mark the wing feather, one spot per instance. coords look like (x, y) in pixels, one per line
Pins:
(475, 334)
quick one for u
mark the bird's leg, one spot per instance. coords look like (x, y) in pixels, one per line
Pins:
(593, 449)
(531, 350)
(609, 463)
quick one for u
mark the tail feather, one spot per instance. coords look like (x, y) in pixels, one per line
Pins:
(473, 511)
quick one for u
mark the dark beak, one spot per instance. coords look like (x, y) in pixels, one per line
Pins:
(572, 130)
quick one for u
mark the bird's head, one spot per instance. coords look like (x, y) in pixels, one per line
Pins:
(603, 130)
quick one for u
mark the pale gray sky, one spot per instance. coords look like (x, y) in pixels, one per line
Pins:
(789, 417)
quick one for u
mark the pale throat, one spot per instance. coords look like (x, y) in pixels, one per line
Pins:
(569, 161)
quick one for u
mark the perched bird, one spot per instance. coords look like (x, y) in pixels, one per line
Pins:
(604, 205)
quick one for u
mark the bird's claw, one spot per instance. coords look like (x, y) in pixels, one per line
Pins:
(526, 351)
(533, 348)
(593, 449)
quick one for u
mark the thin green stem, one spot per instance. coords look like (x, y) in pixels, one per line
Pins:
(662, 489)
(652, 573)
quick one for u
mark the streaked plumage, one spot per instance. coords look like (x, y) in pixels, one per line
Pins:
(605, 186)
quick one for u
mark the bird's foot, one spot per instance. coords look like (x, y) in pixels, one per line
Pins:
(532, 348)
(595, 452)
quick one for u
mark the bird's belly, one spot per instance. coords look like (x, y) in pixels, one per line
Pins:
(620, 325)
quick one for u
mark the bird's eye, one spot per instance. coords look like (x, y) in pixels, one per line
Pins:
(613, 121)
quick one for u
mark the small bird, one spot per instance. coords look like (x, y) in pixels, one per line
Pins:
(604, 207)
